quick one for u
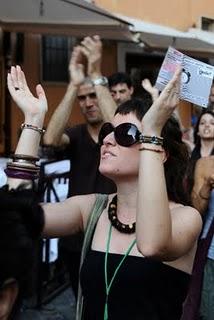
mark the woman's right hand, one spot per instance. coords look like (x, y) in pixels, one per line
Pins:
(34, 108)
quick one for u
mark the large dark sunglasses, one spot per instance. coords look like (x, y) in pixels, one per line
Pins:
(126, 134)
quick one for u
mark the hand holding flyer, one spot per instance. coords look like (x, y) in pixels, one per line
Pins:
(196, 79)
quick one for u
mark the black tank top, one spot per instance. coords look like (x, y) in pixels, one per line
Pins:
(144, 289)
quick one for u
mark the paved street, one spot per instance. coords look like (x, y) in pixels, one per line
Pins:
(60, 308)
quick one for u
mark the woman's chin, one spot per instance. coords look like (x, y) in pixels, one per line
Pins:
(106, 172)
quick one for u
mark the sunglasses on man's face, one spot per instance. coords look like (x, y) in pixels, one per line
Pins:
(83, 97)
(126, 134)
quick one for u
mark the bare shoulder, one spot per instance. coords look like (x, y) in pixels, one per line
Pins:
(187, 216)
(85, 204)
(186, 228)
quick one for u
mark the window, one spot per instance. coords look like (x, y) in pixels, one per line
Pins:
(55, 58)
(207, 24)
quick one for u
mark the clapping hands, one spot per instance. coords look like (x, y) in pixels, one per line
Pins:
(91, 49)
(76, 67)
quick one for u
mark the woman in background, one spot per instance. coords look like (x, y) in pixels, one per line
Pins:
(204, 136)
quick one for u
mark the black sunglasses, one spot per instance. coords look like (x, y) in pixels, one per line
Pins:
(126, 134)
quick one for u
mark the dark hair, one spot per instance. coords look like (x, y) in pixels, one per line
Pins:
(21, 224)
(119, 77)
(176, 150)
(196, 154)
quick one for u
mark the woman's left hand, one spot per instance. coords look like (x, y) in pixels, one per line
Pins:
(162, 108)
(33, 107)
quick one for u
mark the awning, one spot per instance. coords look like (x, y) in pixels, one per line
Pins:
(205, 36)
(71, 17)
(158, 36)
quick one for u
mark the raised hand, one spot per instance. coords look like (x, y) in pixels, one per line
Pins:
(162, 107)
(76, 68)
(146, 84)
(92, 49)
(32, 107)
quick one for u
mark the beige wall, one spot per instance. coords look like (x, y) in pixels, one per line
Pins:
(201, 8)
(180, 14)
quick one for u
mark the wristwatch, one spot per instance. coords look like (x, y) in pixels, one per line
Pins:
(101, 81)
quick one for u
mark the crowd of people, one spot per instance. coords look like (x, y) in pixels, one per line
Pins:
(137, 215)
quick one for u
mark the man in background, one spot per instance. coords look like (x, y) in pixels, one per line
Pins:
(120, 86)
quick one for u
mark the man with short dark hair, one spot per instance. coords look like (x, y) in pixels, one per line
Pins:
(120, 86)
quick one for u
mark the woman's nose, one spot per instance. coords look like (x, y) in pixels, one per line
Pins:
(109, 139)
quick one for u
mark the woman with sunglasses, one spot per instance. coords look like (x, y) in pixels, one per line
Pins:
(139, 243)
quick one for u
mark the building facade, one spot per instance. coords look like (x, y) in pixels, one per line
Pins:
(32, 47)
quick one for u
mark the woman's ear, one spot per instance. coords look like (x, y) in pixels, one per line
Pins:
(8, 295)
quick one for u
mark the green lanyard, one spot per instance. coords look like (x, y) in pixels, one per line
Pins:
(108, 286)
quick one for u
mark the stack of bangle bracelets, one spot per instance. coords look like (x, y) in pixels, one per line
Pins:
(23, 167)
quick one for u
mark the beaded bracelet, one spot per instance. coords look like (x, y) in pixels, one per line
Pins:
(151, 139)
(30, 126)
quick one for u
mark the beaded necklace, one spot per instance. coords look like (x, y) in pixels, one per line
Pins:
(112, 215)
(108, 284)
